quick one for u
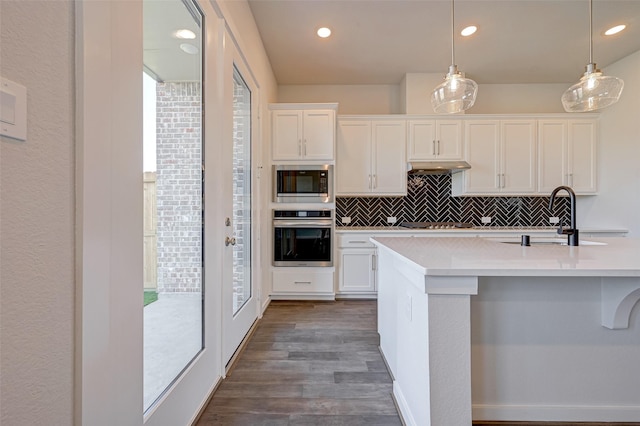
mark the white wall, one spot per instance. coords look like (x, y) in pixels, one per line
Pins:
(416, 90)
(413, 96)
(352, 99)
(618, 201)
(491, 99)
(518, 98)
(37, 229)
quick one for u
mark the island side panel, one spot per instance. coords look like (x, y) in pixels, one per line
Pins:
(540, 353)
(387, 313)
(426, 340)
(450, 358)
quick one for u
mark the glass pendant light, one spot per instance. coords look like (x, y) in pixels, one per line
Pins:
(594, 90)
(456, 93)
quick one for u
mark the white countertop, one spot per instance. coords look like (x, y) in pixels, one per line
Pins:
(479, 256)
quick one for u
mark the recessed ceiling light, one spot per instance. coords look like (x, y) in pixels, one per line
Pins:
(189, 48)
(185, 34)
(615, 30)
(323, 32)
(469, 30)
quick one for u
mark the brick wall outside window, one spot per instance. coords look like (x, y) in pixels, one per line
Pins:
(179, 177)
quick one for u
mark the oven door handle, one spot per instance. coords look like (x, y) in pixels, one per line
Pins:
(301, 224)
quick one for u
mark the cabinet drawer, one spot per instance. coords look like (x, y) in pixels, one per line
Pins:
(303, 281)
(355, 241)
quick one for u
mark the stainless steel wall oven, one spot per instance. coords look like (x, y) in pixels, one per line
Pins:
(302, 237)
(303, 184)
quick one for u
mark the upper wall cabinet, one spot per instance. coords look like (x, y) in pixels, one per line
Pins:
(502, 154)
(567, 154)
(371, 157)
(303, 132)
(434, 140)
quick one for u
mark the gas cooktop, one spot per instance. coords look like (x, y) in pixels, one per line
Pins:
(436, 225)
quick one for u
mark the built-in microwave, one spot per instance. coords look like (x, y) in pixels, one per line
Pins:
(303, 184)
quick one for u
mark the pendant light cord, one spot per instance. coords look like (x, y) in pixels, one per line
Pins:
(590, 31)
(453, 57)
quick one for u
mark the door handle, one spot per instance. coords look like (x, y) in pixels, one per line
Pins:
(438, 147)
(305, 147)
(229, 240)
(433, 151)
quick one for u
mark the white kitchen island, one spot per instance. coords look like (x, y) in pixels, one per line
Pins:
(476, 328)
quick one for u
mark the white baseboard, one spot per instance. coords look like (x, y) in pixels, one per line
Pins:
(558, 413)
(363, 296)
(403, 407)
(264, 307)
(302, 296)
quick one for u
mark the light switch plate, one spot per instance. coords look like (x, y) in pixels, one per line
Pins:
(486, 219)
(13, 110)
(346, 220)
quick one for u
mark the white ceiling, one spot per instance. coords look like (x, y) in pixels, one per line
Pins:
(379, 41)
(163, 57)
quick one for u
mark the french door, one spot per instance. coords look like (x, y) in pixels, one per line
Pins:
(239, 298)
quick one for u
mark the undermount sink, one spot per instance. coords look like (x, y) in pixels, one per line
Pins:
(555, 242)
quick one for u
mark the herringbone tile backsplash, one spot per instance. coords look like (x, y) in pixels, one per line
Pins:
(429, 200)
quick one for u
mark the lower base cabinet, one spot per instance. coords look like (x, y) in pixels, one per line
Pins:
(357, 271)
(357, 265)
(303, 283)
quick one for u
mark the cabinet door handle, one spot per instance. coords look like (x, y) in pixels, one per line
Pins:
(438, 147)
(305, 147)
(570, 180)
(503, 181)
(357, 242)
(374, 262)
(433, 151)
(375, 181)
(302, 282)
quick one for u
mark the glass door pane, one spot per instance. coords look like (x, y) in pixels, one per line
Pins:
(173, 249)
(241, 191)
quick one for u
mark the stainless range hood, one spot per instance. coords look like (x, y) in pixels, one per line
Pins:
(437, 167)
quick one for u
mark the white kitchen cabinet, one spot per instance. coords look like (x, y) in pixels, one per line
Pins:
(357, 271)
(302, 134)
(567, 152)
(433, 140)
(371, 157)
(357, 265)
(303, 283)
(502, 154)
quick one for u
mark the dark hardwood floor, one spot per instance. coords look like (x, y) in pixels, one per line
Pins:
(315, 363)
(503, 423)
(308, 363)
